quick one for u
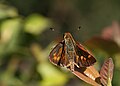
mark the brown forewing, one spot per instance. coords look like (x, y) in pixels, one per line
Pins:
(57, 55)
(83, 57)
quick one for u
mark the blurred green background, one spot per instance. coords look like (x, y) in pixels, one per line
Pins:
(26, 40)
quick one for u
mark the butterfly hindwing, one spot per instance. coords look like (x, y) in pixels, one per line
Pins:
(57, 55)
(83, 57)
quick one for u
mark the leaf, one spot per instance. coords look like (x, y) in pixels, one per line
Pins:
(108, 46)
(51, 76)
(88, 74)
(106, 72)
(112, 32)
(36, 24)
(7, 11)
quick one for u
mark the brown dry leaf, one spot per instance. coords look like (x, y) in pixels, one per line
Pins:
(106, 72)
(88, 74)
(107, 46)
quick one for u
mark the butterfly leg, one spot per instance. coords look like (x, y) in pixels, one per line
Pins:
(76, 65)
(71, 66)
(76, 60)
(68, 65)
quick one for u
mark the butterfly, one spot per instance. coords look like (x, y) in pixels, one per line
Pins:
(69, 53)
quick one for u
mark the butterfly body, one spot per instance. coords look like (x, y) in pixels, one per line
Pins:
(69, 53)
(70, 50)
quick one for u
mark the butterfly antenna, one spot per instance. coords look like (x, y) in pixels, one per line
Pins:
(55, 30)
(52, 29)
(79, 28)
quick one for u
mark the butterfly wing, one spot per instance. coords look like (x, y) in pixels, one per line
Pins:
(83, 57)
(57, 55)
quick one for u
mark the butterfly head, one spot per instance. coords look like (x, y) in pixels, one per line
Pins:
(68, 37)
(69, 41)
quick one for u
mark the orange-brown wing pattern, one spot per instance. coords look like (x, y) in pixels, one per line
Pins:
(57, 55)
(83, 57)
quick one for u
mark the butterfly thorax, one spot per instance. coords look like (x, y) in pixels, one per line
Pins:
(70, 46)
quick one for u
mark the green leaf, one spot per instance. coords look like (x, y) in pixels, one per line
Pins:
(7, 11)
(51, 76)
(36, 24)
